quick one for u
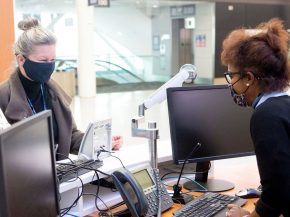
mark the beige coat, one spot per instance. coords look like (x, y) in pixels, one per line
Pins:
(15, 107)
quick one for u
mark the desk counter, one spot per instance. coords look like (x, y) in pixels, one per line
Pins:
(241, 171)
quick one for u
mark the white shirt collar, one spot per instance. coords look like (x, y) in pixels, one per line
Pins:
(272, 94)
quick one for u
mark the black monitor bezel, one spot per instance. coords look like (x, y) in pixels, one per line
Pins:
(172, 127)
(47, 114)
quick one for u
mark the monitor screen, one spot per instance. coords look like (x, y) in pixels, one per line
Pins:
(28, 180)
(207, 115)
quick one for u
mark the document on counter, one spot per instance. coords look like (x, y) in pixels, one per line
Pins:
(3, 121)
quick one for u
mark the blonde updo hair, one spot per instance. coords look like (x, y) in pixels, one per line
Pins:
(34, 34)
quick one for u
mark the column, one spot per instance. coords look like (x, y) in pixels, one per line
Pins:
(6, 39)
(86, 66)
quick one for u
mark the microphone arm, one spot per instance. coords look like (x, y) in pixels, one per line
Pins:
(186, 72)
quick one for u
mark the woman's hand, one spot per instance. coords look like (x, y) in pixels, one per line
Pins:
(117, 142)
(236, 211)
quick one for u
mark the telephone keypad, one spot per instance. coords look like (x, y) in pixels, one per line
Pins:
(153, 201)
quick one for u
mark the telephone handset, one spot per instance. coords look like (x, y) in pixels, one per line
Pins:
(142, 191)
(130, 191)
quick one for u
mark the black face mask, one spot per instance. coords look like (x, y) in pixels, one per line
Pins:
(239, 99)
(38, 72)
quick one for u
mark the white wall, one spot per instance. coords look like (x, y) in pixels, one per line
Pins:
(129, 31)
(126, 25)
(161, 26)
(67, 36)
(205, 25)
(131, 22)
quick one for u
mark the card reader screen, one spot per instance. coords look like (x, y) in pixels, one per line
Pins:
(144, 178)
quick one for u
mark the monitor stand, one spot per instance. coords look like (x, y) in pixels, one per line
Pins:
(202, 183)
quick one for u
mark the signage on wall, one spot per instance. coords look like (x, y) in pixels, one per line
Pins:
(200, 40)
(99, 3)
(182, 11)
(156, 42)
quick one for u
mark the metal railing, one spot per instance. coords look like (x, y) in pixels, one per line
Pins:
(108, 69)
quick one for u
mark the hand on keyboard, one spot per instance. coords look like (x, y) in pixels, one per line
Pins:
(235, 211)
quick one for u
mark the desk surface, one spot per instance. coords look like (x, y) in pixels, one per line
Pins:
(133, 157)
(241, 171)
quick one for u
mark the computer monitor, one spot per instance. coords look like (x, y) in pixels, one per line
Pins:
(207, 115)
(28, 186)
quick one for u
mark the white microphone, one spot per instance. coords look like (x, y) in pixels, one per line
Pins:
(187, 71)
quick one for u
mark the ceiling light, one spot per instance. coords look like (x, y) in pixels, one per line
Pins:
(230, 7)
(155, 6)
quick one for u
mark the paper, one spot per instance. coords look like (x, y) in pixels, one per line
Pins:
(3, 121)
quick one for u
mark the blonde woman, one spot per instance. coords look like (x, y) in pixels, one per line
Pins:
(30, 90)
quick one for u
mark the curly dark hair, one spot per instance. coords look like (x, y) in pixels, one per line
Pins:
(262, 51)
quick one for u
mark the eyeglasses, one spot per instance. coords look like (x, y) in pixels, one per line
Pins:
(229, 76)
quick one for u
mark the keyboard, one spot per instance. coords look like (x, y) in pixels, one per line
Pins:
(208, 204)
(71, 170)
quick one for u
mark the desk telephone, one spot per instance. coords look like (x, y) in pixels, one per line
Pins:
(142, 191)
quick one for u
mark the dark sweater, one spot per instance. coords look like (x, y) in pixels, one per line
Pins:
(270, 131)
(14, 104)
(39, 102)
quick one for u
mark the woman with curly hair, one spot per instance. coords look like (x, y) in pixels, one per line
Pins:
(258, 76)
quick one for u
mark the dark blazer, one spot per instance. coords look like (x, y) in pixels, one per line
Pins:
(15, 107)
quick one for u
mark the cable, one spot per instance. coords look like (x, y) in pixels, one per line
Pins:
(119, 160)
(104, 150)
(61, 173)
(176, 201)
(64, 211)
(72, 215)
(108, 209)
(192, 180)
(115, 206)
(98, 187)
(158, 196)
(71, 171)
(177, 188)
(96, 203)
(192, 173)
(102, 212)
(65, 156)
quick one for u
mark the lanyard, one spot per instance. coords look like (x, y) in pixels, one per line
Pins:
(43, 101)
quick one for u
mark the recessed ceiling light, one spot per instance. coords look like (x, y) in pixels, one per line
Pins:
(230, 7)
